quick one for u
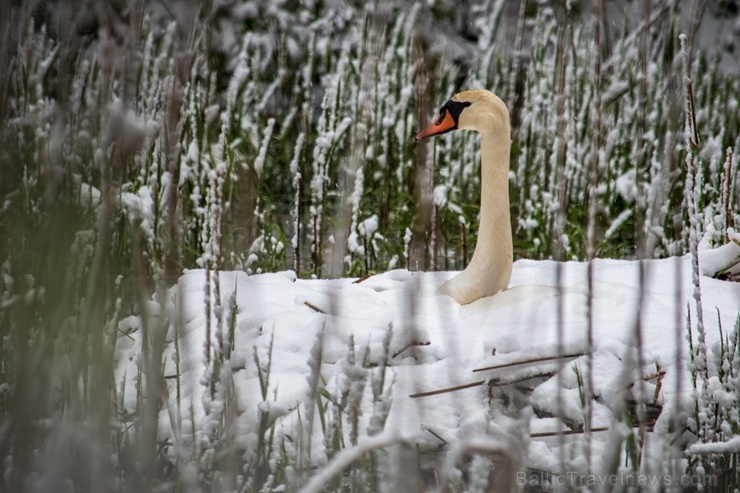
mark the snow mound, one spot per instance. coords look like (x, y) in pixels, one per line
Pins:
(421, 366)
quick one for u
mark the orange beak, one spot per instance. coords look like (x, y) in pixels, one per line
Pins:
(444, 123)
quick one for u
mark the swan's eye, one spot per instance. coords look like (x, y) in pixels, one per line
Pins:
(441, 117)
(454, 108)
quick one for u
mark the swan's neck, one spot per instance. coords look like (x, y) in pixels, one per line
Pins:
(493, 252)
(490, 268)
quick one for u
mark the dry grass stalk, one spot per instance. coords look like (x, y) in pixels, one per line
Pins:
(313, 307)
(531, 360)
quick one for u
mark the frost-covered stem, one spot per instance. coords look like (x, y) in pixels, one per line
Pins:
(406, 242)
(346, 245)
(591, 228)
(330, 131)
(561, 361)
(151, 361)
(464, 241)
(516, 69)
(544, 176)
(678, 361)
(726, 200)
(298, 156)
(700, 365)
(295, 170)
(6, 60)
(640, 240)
(588, 380)
(697, 13)
(347, 457)
(557, 184)
(173, 94)
(259, 164)
(423, 222)
(366, 255)
(573, 84)
(691, 134)
(690, 194)
(211, 238)
(131, 58)
(208, 306)
(173, 132)
(217, 182)
(559, 247)
(596, 146)
(639, 381)
(639, 148)
(177, 327)
(354, 203)
(92, 314)
(433, 237)
(355, 385)
(313, 378)
(315, 241)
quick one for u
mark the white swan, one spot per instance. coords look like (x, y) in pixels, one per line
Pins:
(489, 270)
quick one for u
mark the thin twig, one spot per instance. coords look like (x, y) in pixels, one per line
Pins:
(125, 334)
(546, 434)
(653, 376)
(567, 432)
(679, 435)
(492, 382)
(361, 279)
(410, 345)
(437, 436)
(448, 389)
(313, 307)
(533, 360)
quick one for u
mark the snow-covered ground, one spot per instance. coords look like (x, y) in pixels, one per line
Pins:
(424, 342)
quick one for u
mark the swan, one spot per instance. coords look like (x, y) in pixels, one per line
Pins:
(490, 268)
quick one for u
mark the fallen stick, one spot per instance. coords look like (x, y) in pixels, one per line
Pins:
(533, 360)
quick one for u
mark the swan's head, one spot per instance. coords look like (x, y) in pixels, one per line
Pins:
(476, 109)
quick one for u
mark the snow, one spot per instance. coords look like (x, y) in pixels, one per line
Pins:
(721, 258)
(259, 163)
(616, 90)
(731, 446)
(352, 330)
(89, 195)
(369, 226)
